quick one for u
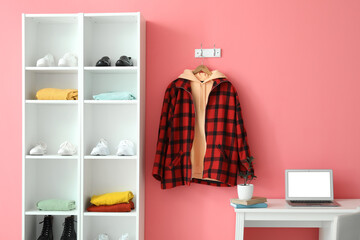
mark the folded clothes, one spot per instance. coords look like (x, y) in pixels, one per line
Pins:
(57, 94)
(114, 96)
(112, 198)
(56, 205)
(120, 207)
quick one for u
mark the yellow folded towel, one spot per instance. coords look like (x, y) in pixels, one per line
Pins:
(112, 198)
(57, 94)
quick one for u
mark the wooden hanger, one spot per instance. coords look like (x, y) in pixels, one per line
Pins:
(202, 68)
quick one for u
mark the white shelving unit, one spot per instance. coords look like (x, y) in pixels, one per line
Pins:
(84, 121)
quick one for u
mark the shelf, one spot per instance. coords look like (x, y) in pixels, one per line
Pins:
(52, 101)
(127, 102)
(112, 69)
(110, 214)
(59, 213)
(50, 157)
(110, 157)
(52, 69)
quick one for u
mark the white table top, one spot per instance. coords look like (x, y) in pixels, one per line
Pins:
(280, 205)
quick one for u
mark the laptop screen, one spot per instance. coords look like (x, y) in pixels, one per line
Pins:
(309, 184)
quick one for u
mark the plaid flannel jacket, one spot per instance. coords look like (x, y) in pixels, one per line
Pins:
(226, 139)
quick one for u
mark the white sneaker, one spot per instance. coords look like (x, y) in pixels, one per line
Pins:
(126, 148)
(101, 149)
(68, 60)
(125, 236)
(39, 149)
(103, 236)
(67, 149)
(47, 61)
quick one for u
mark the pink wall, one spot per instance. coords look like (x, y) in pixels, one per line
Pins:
(295, 65)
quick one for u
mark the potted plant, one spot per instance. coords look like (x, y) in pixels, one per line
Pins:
(245, 191)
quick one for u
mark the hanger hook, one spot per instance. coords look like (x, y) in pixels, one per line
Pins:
(202, 55)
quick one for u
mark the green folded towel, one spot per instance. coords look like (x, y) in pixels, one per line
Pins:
(114, 96)
(56, 205)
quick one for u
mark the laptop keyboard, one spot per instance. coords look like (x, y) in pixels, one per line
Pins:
(311, 201)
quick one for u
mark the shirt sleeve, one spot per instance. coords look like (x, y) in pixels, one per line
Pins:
(243, 146)
(163, 135)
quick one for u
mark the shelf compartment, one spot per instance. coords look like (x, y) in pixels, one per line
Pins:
(113, 226)
(107, 121)
(110, 157)
(33, 228)
(112, 69)
(98, 82)
(56, 35)
(36, 80)
(52, 125)
(45, 157)
(50, 180)
(120, 177)
(121, 33)
(52, 69)
(35, 212)
(125, 102)
(110, 214)
(70, 102)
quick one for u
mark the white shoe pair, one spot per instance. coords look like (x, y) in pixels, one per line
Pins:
(66, 149)
(68, 60)
(104, 236)
(125, 148)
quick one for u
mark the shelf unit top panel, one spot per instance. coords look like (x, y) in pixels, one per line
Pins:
(112, 17)
(52, 18)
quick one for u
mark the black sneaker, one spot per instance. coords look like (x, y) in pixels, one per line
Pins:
(104, 62)
(46, 232)
(124, 61)
(69, 229)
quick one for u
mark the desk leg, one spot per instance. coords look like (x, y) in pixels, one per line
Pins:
(327, 231)
(240, 223)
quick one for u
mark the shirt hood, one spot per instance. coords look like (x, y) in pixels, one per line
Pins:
(201, 76)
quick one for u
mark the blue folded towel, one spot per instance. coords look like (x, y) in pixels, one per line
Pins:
(258, 205)
(114, 96)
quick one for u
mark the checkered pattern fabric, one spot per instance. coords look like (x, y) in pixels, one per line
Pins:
(226, 139)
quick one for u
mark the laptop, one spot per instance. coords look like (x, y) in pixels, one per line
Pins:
(309, 188)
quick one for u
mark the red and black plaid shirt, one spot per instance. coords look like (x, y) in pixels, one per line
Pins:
(225, 136)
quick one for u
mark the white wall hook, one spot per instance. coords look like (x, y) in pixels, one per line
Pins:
(208, 52)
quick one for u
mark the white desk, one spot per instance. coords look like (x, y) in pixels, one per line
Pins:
(279, 214)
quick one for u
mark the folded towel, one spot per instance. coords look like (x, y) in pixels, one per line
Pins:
(57, 94)
(112, 198)
(56, 205)
(257, 205)
(114, 96)
(120, 207)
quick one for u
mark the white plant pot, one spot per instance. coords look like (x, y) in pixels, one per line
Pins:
(245, 192)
